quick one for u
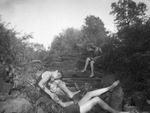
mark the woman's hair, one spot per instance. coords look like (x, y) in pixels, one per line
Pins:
(90, 46)
(62, 73)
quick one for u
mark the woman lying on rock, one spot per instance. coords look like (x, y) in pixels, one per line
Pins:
(52, 84)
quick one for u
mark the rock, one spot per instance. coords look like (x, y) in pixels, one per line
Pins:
(18, 105)
(117, 95)
(88, 87)
(14, 93)
(40, 110)
(5, 87)
(139, 99)
(116, 98)
(130, 108)
(148, 82)
(148, 101)
(108, 80)
(3, 97)
(81, 63)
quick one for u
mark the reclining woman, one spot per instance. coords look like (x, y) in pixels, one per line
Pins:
(56, 88)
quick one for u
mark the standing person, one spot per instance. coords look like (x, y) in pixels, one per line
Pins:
(83, 105)
(95, 54)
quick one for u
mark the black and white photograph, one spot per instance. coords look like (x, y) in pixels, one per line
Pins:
(74, 56)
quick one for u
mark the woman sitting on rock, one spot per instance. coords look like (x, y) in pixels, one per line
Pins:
(95, 55)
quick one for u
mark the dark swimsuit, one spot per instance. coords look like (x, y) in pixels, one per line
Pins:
(41, 91)
(74, 108)
(77, 98)
(93, 55)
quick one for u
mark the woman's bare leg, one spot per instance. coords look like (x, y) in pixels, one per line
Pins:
(84, 108)
(65, 89)
(148, 101)
(86, 64)
(97, 92)
(92, 68)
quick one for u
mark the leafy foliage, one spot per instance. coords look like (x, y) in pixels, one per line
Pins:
(5, 47)
(73, 42)
(66, 41)
(17, 50)
(93, 30)
(128, 13)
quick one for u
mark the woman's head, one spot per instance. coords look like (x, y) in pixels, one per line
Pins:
(58, 74)
(91, 46)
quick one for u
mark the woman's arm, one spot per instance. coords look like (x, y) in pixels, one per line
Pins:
(95, 58)
(98, 49)
(43, 81)
(52, 95)
(65, 104)
(56, 99)
(43, 86)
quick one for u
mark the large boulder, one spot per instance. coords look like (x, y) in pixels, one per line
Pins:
(18, 105)
(116, 97)
(5, 87)
(140, 99)
(40, 110)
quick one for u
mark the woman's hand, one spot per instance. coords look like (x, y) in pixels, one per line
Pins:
(55, 98)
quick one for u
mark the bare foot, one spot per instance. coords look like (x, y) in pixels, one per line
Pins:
(148, 101)
(83, 70)
(115, 84)
(92, 75)
(74, 93)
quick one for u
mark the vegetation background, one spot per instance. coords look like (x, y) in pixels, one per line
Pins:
(125, 53)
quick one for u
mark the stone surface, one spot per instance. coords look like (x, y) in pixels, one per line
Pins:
(3, 97)
(116, 96)
(40, 110)
(107, 80)
(139, 99)
(130, 108)
(18, 105)
(5, 87)
(148, 101)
